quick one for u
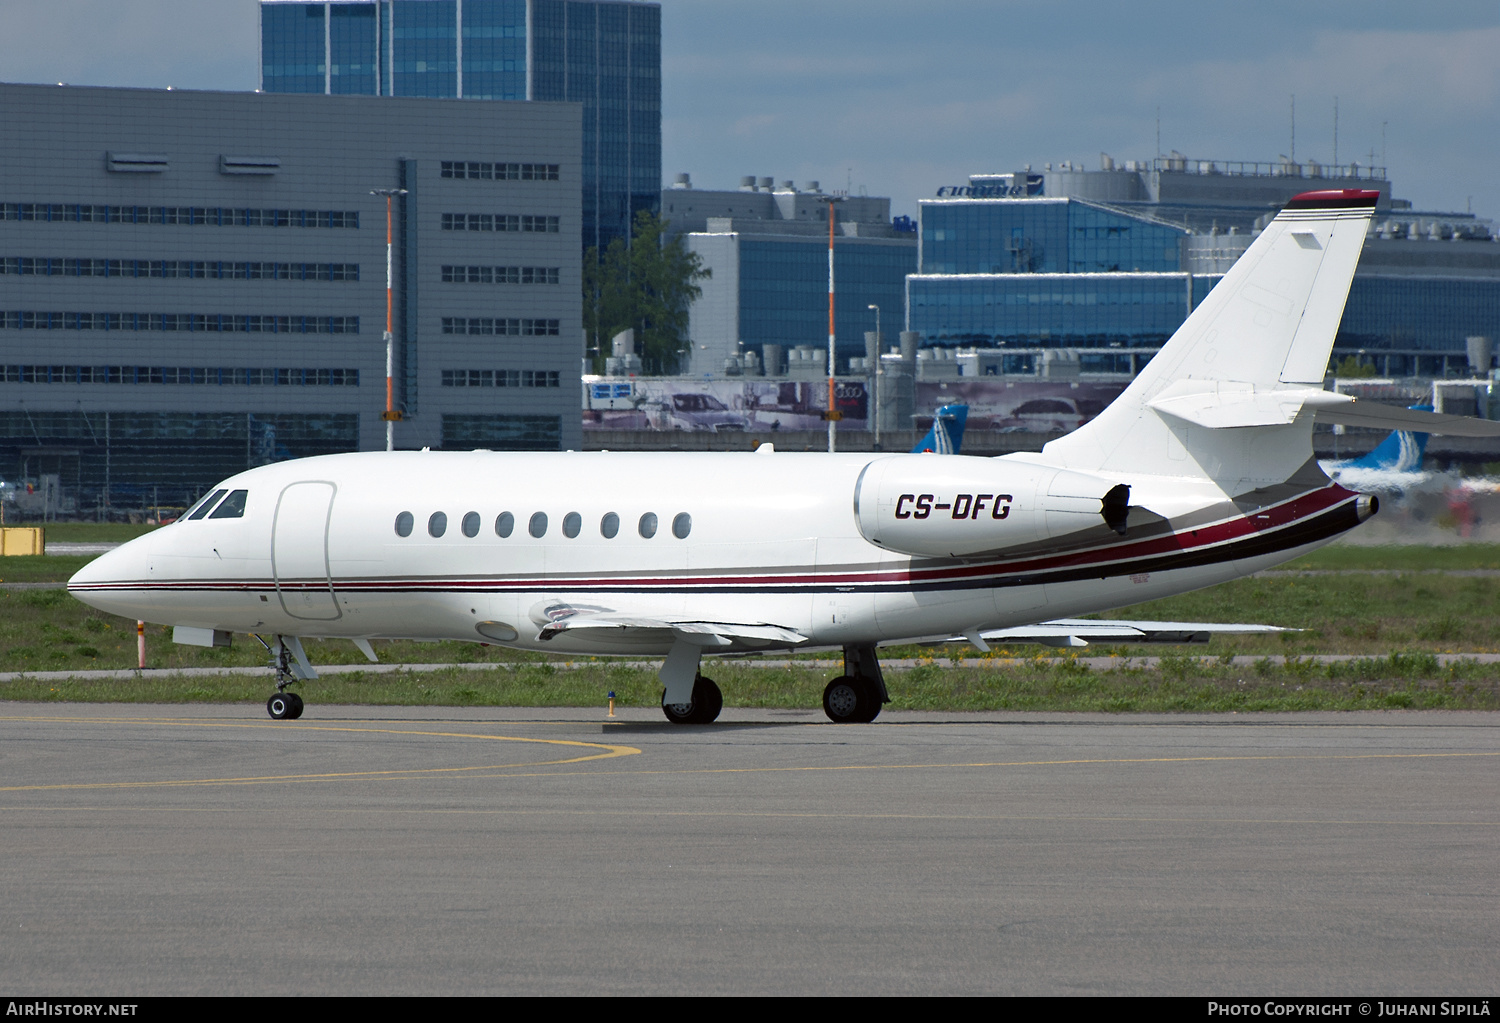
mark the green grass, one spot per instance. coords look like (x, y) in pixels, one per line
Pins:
(89, 532)
(1351, 557)
(41, 568)
(1180, 685)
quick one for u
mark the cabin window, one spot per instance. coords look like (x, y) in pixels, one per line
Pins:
(647, 527)
(572, 524)
(505, 524)
(682, 525)
(208, 503)
(404, 522)
(609, 526)
(538, 527)
(437, 525)
(471, 524)
(232, 507)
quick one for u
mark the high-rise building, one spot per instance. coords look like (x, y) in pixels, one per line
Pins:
(605, 54)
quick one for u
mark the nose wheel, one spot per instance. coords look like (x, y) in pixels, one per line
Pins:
(285, 706)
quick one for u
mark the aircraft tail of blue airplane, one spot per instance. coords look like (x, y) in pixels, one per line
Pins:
(947, 433)
(1402, 451)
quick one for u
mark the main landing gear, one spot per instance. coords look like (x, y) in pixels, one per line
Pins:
(282, 706)
(856, 696)
(702, 709)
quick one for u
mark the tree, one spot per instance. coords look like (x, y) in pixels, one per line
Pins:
(647, 285)
(1353, 367)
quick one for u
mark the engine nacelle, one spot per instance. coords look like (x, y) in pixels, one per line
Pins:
(959, 506)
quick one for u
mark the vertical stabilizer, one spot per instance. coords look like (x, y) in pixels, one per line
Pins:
(1262, 335)
(947, 433)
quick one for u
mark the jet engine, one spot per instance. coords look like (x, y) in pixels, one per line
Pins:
(957, 506)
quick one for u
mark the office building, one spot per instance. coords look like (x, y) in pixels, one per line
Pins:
(604, 54)
(767, 248)
(192, 283)
(1110, 262)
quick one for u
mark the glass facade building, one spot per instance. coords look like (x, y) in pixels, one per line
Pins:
(783, 290)
(1049, 309)
(1067, 273)
(1024, 236)
(604, 54)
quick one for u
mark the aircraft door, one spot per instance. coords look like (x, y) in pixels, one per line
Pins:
(299, 551)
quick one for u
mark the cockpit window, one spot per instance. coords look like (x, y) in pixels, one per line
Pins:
(232, 507)
(207, 503)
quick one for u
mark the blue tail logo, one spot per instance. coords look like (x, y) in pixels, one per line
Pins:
(947, 433)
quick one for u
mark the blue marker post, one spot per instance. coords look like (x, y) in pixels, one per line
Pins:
(611, 703)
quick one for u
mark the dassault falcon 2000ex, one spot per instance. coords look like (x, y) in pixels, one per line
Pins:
(1200, 472)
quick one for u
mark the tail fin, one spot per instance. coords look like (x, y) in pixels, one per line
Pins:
(947, 433)
(1243, 362)
(1402, 451)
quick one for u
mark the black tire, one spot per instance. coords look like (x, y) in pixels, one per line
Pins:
(707, 694)
(279, 706)
(869, 701)
(843, 700)
(849, 700)
(296, 711)
(704, 707)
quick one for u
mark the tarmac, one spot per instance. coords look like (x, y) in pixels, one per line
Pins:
(209, 850)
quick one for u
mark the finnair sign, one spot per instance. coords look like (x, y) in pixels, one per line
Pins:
(1032, 188)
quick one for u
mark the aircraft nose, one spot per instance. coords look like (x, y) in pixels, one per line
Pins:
(106, 581)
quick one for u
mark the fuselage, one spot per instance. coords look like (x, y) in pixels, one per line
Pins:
(491, 546)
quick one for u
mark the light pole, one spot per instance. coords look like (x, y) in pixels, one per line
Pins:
(390, 415)
(832, 415)
(875, 377)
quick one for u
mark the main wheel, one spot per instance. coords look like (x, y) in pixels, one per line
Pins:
(869, 701)
(703, 708)
(296, 709)
(848, 700)
(280, 706)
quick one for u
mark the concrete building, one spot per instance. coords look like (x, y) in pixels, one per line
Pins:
(767, 247)
(604, 54)
(194, 282)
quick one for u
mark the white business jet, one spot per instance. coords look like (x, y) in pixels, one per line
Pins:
(1200, 472)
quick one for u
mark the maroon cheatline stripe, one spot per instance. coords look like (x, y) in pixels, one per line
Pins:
(1187, 545)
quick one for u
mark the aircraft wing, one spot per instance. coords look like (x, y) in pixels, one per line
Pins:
(621, 626)
(1079, 632)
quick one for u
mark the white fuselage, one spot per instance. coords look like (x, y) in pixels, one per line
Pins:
(773, 539)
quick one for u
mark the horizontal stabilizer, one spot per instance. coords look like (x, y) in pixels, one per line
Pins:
(1388, 417)
(1220, 406)
(1230, 405)
(1078, 632)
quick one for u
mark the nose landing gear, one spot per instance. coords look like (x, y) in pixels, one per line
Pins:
(283, 706)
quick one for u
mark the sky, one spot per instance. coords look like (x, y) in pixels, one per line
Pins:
(899, 98)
